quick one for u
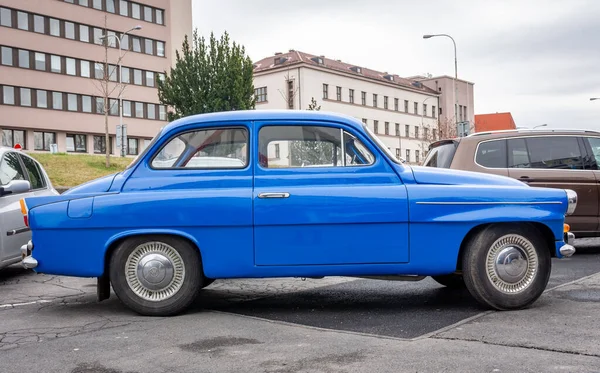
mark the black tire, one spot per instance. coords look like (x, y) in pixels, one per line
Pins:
(513, 293)
(452, 281)
(187, 285)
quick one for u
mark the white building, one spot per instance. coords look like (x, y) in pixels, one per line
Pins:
(402, 112)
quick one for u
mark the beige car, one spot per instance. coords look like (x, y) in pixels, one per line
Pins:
(566, 159)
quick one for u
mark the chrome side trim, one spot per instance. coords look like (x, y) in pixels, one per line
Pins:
(491, 203)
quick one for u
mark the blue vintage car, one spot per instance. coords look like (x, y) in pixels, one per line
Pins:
(254, 194)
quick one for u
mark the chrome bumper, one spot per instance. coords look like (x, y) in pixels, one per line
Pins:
(567, 249)
(28, 261)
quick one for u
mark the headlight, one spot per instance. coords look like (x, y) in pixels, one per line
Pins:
(572, 201)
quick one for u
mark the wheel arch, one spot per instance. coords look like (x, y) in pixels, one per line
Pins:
(543, 229)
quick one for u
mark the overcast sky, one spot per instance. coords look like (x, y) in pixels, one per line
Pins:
(540, 59)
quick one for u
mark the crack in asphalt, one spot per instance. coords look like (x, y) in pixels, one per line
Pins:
(517, 345)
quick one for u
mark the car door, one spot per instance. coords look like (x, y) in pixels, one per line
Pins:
(323, 195)
(557, 162)
(11, 217)
(592, 146)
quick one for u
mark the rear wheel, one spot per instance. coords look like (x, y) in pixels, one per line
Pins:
(507, 267)
(156, 275)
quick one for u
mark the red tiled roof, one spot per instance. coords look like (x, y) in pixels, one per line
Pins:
(294, 57)
(494, 122)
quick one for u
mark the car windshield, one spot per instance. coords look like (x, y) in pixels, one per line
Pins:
(381, 145)
(441, 156)
(143, 153)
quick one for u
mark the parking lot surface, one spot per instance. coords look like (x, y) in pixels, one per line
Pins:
(54, 324)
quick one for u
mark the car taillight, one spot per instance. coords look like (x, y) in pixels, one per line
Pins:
(24, 211)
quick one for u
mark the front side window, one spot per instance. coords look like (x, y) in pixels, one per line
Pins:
(10, 168)
(210, 148)
(491, 154)
(33, 170)
(310, 146)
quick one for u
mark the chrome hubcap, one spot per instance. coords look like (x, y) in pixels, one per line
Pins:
(155, 271)
(512, 264)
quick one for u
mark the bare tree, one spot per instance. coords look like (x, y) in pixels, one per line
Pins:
(107, 84)
(289, 95)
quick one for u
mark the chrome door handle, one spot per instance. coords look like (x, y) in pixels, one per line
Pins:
(273, 195)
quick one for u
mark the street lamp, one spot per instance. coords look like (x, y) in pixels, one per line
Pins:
(120, 40)
(454, 95)
(540, 125)
(594, 98)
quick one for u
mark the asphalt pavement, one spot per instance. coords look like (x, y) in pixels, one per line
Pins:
(54, 324)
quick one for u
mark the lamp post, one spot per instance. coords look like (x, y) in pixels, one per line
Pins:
(454, 95)
(540, 125)
(120, 40)
(594, 98)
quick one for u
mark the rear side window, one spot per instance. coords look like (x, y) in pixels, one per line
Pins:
(440, 156)
(556, 152)
(492, 154)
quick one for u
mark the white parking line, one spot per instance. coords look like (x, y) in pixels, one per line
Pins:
(13, 305)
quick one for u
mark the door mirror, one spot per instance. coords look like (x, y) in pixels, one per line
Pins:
(15, 187)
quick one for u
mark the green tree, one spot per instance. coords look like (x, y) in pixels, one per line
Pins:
(208, 76)
(313, 105)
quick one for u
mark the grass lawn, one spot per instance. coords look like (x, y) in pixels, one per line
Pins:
(69, 170)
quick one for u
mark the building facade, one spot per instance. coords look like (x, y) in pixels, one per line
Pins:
(401, 112)
(463, 123)
(52, 66)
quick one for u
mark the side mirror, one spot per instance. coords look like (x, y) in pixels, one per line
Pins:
(15, 187)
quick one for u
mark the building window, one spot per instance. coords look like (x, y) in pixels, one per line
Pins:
(71, 102)
(396, 104)
(137, 44)
(12, 137)
(159, 17)
(387, 128)
(338, 93)
(40, 61)
(425, 133)
(113, 106)
(41, 99)
(39, 25)
(374, 100)
(54, 27)
(84, 66)
(112, 73)
(22, 21)
(137, 76)
(132, 146)
(42, 140)
(147, 14)
(99, 105)
(406, 106)
(125, 75)
(7, 56)
(98, 70)
(364, 120)
(139, 110)
(149, 79)
(351, 96)
(277, 151)
(162, 112)
(5, 17)
(325, 91)
(125, 42)
(84, 3)
(416, 107)
(24, 58)
(110, 6)
(398, 129)
(8, 94)
(363, 97)
(124, 8)
(25, 95)
(408, 155)
(77, 143)
(385, 102)
(434, 133)
(55, 64)
(417, 156)
(57, 103)
(70, 64)
(406, 130)
(126, 108)
(148, 46)
(84, 33)
(70, 30)
(86, 104)
(160, 48)
(376, 126)
(100, 144)
(98, 36)
(135, 11)
(425, 109)
(433, 111)
(416, 132)
(397, 153)
(97, 4)
(151, 111)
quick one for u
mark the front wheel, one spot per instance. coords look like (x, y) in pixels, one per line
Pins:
(507, 267)
(156, 275)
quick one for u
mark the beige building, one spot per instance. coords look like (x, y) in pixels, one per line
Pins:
(402, 112)
(463, 101)
(52, 54)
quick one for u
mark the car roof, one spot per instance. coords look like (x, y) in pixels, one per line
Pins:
(263, 115)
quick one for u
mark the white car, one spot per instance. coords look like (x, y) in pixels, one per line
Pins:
(20, 176)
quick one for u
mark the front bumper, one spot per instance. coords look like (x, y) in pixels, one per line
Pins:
(28, 261)
(568, 249)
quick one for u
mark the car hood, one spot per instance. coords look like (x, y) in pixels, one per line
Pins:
(444, 176)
